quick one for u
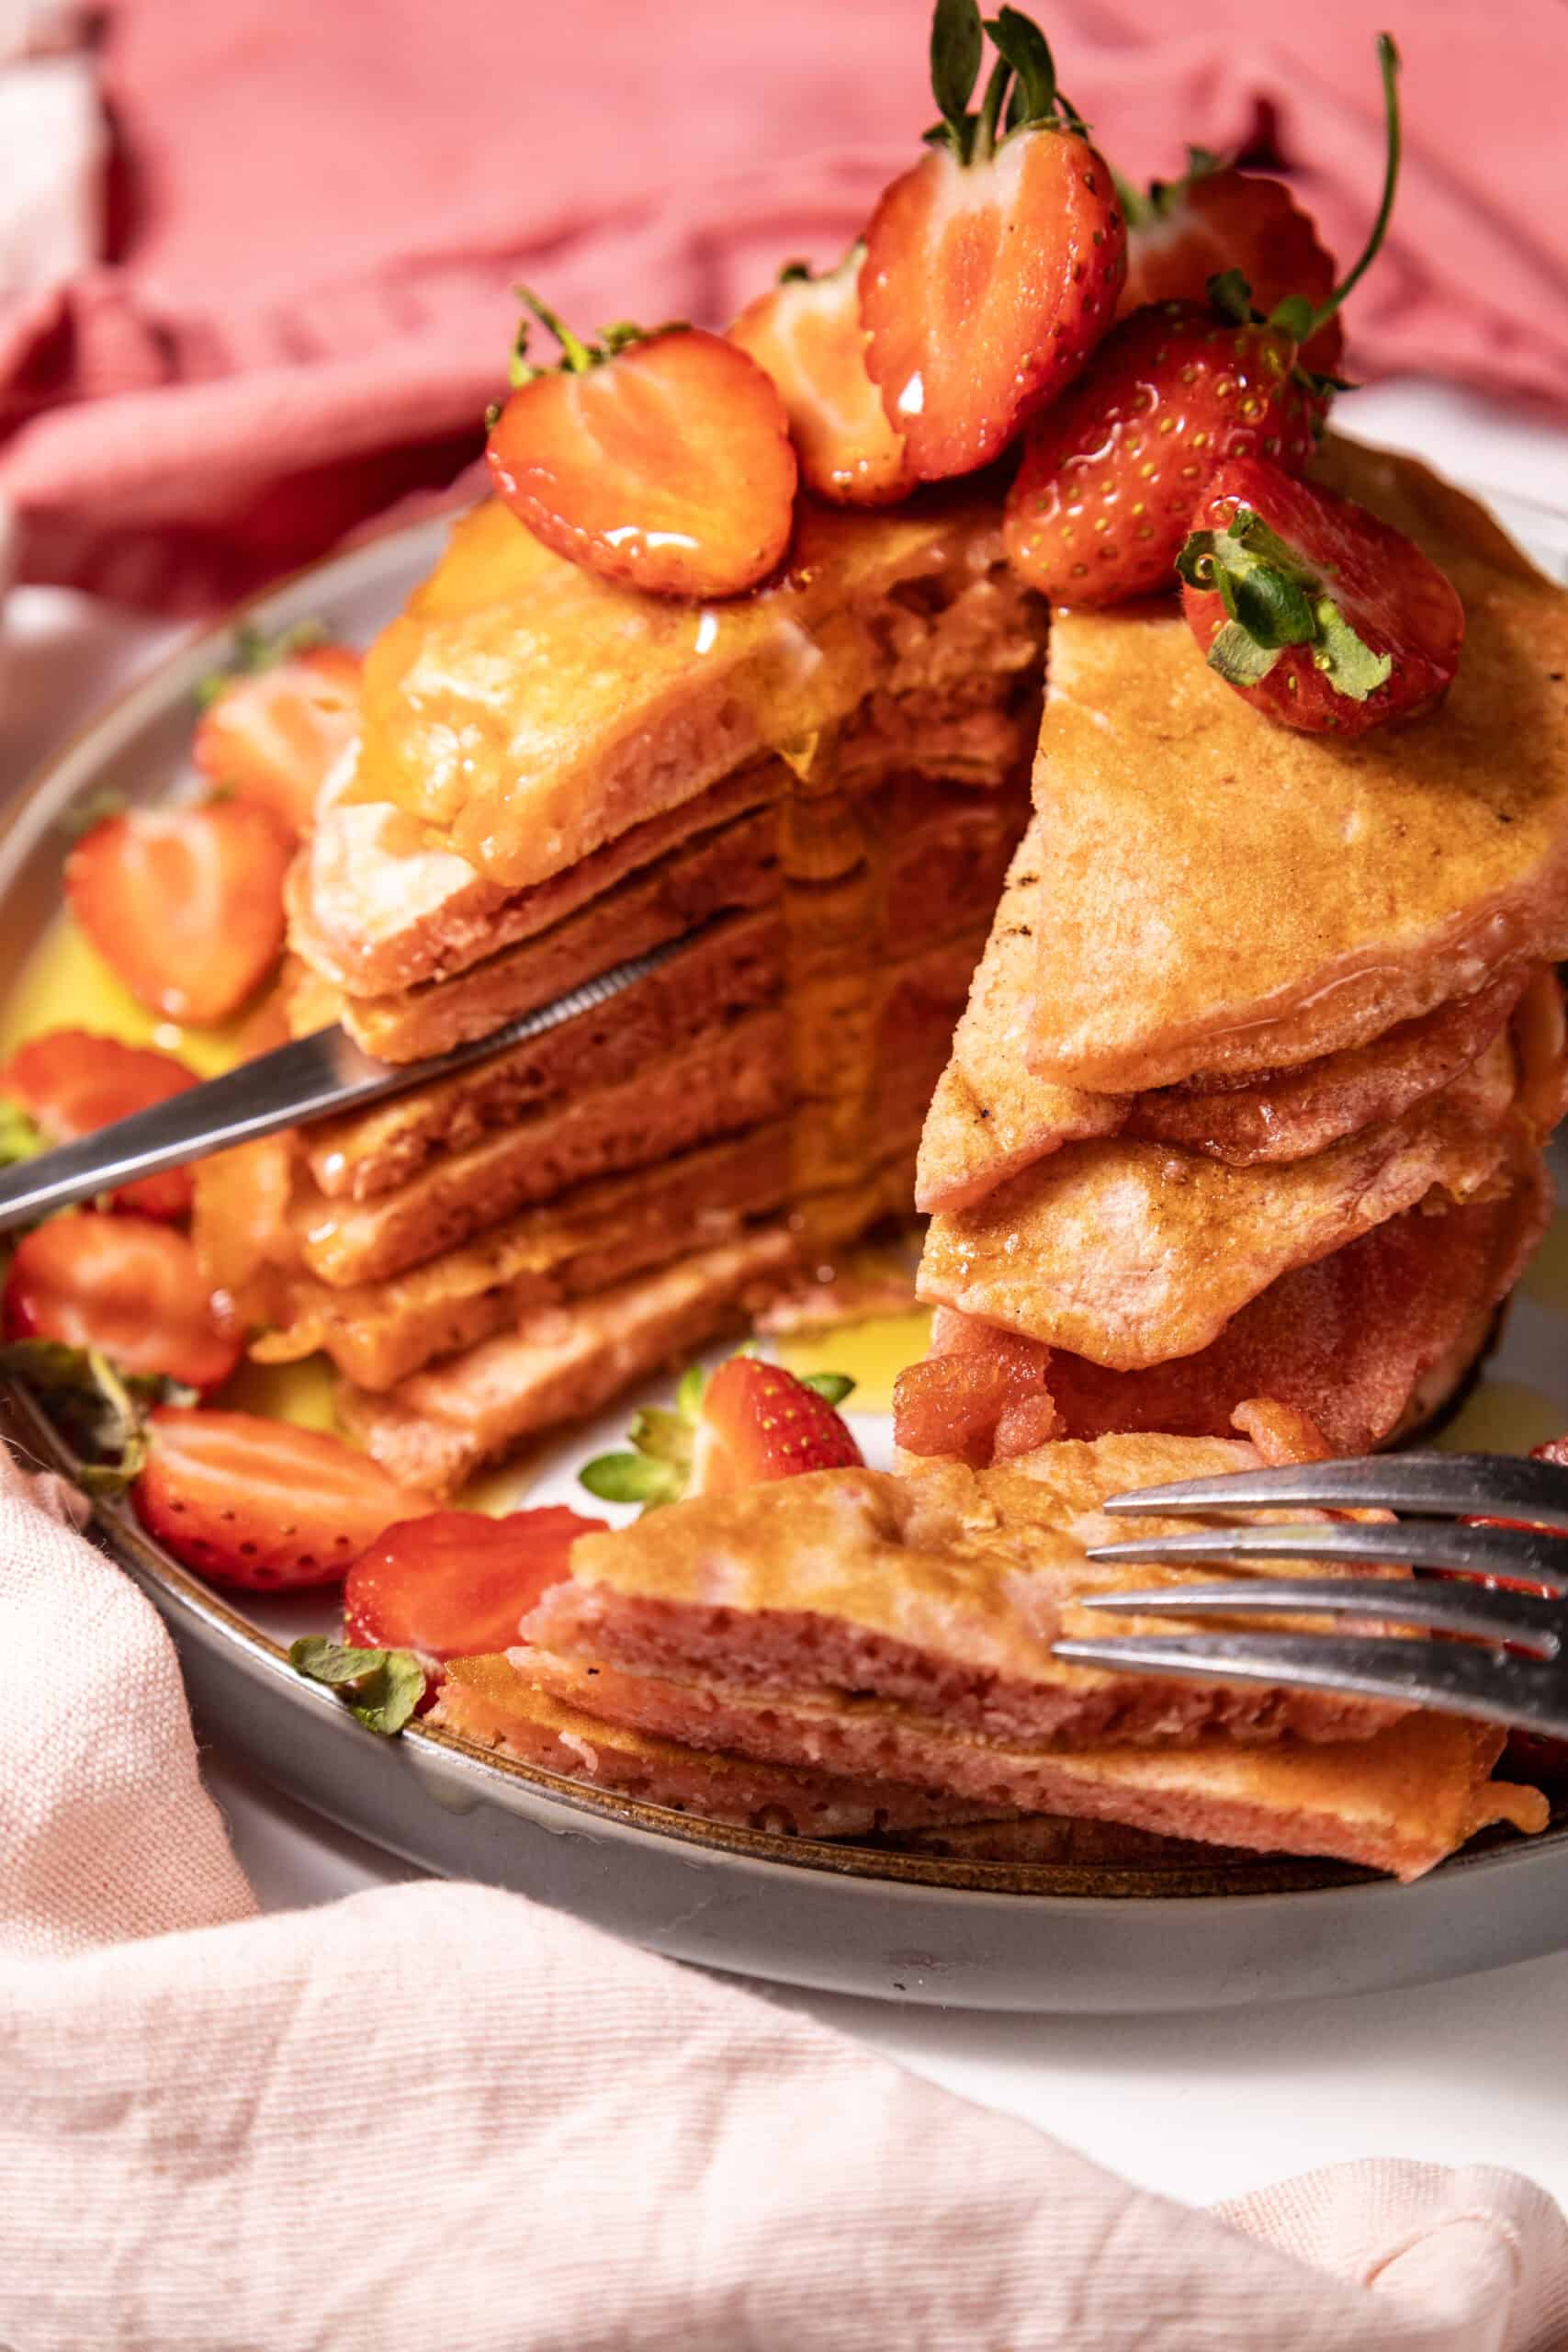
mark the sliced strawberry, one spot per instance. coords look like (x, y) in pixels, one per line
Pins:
(260, 1504)
(71, 1083)
(1318, 613)
(992, 268)
(1184, 232)
(1103, 500)
(750, 1422)
(271, 734)
(661, 462)
(126, 1285)
(458, 1584)
(806, 334)
(186, 903)
(758, 1422)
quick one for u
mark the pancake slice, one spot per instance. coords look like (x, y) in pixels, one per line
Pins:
(941, 1591)
(1400, 1801)
(1131, 1253)
(494, 1701)
(1230, 897)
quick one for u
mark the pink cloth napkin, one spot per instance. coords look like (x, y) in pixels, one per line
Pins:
(444, 2114)
(319, 211)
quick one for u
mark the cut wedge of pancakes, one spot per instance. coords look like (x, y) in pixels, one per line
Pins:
(1252, 1000)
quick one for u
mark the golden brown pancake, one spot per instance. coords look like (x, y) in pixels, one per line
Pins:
(530, 712)
(941, 1590)
(1132, 1253)
(1400, 1801)
(494, 1701)
(1224, 894)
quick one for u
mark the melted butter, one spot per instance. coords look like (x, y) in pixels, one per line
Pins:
(873, 1354)
(1502, 1417)
(1546, 1277)
(65, 984)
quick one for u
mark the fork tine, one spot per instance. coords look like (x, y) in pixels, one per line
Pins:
(1515, 1552)
(1447, 1485)
(1453, 1677)
(1457, 1608)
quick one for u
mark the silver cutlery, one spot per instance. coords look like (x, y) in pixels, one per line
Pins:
(311, 1079)
(1500, 1656)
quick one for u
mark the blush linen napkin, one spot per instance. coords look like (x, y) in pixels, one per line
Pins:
(444, 2112)
(316, 215)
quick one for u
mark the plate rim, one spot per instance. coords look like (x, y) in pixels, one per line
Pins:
(31, 811)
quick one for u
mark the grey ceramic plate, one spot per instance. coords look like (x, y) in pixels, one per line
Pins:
(1141, 1934)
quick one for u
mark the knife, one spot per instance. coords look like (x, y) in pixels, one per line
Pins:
(310, 1079)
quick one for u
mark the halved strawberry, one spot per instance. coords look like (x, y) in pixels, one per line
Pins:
(126, 1285)
(71, 1083)
(458, 1584)
(1318, 613)
(992, 267)
(271, 734)
(806, 334)
(1185, 232)
(186, 903)
(260, 1504)
(662, 461)
(751, 1422)
(1095, 514)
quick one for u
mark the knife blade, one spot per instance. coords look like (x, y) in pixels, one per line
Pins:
(310, 1079)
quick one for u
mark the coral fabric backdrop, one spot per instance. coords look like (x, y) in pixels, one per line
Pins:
(315, 216)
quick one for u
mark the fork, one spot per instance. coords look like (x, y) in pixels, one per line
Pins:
(1512, 1668)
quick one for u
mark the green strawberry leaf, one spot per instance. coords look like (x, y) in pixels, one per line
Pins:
(1346, 660)
(834, 1385)
(255, 650)
(1238, 657)
(101, 1412)
(383, 1687)
(93, 809)
(632, 1479)
(957, 42)
(19, 1136)
(666, 1436)
(690, 1394)
(1273, 609)
(1024, 46)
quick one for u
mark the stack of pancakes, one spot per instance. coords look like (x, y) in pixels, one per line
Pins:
(1249, 1095)
(891, 1637)
(818, 788)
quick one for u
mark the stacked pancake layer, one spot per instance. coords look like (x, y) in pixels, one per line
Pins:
(817, 789)
(1249, 1095)
(893, 1635)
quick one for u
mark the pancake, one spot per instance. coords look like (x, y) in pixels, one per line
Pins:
(941, 1590)
(529, 712)
(494, 1702)
(1400, 1801)
(1366, 1342)
(1131, 1253)
(1226, 896)
(560, 1363)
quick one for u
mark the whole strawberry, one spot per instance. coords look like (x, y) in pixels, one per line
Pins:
(1102, 500)
(993, 266)
(1183, 232)
(1318, 613)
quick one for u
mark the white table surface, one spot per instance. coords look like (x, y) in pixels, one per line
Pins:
(1200, 2107)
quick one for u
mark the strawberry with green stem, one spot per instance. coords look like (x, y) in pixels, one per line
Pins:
(1103, 499)
(661, 461)
(992, 267)
(750, 1423)
(1318, 613)
(1181, 234)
